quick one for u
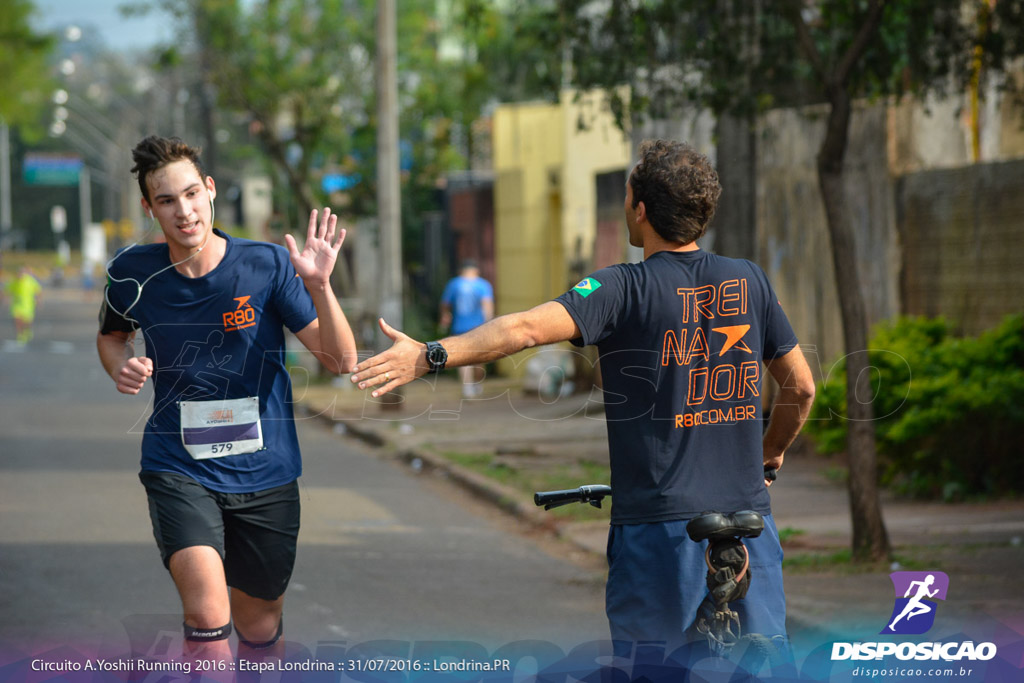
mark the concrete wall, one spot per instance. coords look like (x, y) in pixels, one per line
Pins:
(734, 227)
(793, 243)
(938, 131)
(963, 243)
(696, 128)
(933, 242)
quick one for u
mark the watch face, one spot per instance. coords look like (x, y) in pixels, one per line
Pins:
(436, 355)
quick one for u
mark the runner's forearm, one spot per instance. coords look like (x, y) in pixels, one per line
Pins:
(792, 406)
(114, 351)
(406, 360)
(500, 337)
(491, 341)
(337, 343)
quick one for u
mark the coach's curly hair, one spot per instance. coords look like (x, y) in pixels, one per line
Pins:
(679, 188)
(155, 152)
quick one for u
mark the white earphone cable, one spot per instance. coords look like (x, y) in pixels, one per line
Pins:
(138, 295)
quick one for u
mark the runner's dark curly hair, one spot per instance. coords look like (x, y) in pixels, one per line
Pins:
(155, 152)
(679, 188)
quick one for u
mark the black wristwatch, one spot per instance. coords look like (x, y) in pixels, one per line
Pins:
(436, 357)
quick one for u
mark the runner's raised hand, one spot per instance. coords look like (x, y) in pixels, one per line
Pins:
(320, 252)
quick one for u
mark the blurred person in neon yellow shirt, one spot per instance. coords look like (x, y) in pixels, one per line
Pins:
(23, 294)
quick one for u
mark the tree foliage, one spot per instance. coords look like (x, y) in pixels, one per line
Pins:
(302, 73)
(24, 66)
(948, 408)
(742, 57)
(297, 69)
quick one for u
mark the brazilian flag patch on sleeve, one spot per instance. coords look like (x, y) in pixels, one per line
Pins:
(586, 287)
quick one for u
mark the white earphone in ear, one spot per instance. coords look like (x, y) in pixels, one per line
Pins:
(150, 212)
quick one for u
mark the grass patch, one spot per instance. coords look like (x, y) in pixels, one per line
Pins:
(816, 562)
(841, 562)
(553, 477)
(788, 533)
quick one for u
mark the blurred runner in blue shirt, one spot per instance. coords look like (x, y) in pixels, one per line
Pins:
(467, 302)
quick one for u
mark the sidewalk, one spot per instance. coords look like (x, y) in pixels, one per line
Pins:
(978, 544)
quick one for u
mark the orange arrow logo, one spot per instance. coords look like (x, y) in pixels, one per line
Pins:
(733, 337)
(242, 300)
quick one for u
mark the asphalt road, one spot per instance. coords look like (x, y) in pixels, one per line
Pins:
(384, 554)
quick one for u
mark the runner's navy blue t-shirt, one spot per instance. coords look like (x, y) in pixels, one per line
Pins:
(681, 338)
(216, 337)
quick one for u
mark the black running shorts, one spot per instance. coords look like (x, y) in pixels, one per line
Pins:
(255, 533)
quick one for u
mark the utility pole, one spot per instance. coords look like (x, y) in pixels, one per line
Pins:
(5, 184)
(389, 190)
(85, 199)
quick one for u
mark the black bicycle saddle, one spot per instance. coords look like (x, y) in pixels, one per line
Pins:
(742, 524)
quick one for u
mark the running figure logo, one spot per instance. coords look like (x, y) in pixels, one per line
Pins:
(914, 612)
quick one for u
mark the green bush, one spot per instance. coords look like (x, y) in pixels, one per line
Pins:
(949, 411)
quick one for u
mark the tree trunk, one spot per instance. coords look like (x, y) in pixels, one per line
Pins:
(735, 222)
(870, 539)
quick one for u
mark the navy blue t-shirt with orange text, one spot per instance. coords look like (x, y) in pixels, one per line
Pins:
(219, 337)
(681, 339)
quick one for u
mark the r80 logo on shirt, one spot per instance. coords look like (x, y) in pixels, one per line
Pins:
(243, 316)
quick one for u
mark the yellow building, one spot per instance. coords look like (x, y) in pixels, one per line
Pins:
(547, 204)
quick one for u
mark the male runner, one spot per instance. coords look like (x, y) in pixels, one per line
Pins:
(220, 456)
(467, 302)
(681, 338)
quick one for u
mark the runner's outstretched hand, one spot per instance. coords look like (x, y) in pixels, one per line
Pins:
(316, 261)
(402, 363)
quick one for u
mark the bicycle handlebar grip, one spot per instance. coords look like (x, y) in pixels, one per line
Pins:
(548, 497)
(596, 491)
(584, 494)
